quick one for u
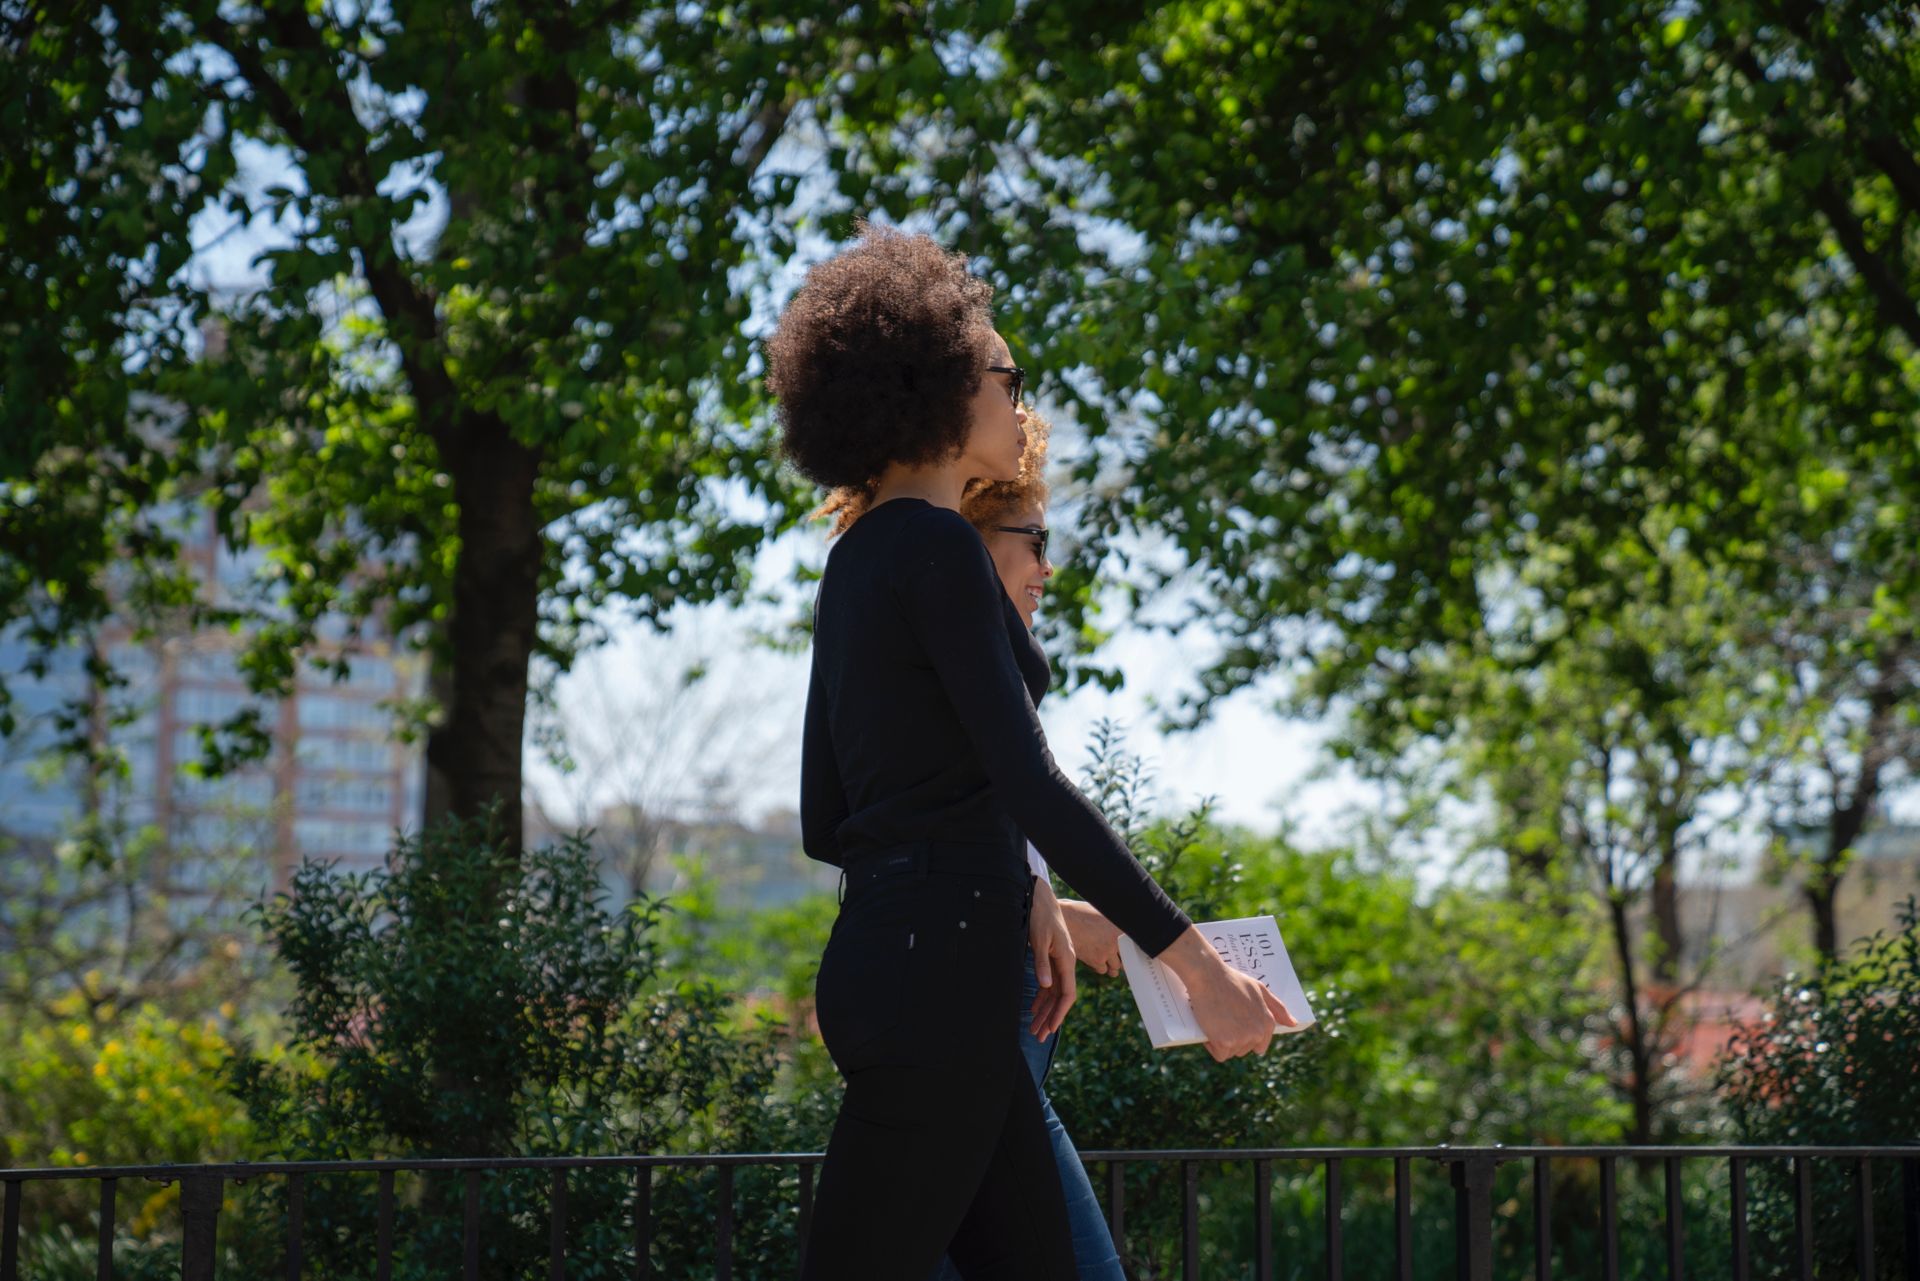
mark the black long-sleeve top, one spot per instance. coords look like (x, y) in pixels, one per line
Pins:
(921, 726)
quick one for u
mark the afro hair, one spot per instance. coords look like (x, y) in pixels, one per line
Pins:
(876, 359)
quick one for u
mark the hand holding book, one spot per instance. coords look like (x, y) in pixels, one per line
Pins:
(1228, 984)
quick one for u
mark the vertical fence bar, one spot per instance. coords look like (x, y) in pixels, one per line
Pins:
(1910, 1206)
(470, 1228)
(1803, 1218)
(103, 1249)
(557, 1226)
(1864, 1190)
(1609, 1221)
(1473, 1217)
(643, 1222)
(383, 1242)
(1117, 1206)
(723, 1263)
(10, 1234)
(1676, 1223)
(200, 1221)
(1542, 1217)
(296, 1223)
(1403, 1218)
(1336, 1264)
(1263, 1221)
(1190, 1220)
(1737, 1202)
(806, 1206)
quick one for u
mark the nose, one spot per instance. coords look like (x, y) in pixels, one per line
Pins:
(1046, 566)
(1020, 413)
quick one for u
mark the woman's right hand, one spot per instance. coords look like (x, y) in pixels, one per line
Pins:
(1234, 1009)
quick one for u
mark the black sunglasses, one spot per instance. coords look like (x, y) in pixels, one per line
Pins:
(1018, 375)
(1038, 533)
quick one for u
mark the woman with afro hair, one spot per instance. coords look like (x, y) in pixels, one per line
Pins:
(1011, 518)
(924, 771)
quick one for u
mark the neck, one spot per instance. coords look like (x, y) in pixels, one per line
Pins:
(942, 485)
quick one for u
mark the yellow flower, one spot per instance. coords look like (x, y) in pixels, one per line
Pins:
(100, 1070)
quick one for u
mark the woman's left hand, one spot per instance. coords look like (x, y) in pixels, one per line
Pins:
(1052, 961)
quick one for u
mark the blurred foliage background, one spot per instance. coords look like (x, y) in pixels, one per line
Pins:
(1527, 392)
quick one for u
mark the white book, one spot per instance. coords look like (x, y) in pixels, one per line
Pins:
(1250, 944)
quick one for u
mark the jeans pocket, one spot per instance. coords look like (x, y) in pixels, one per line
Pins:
(863, 995)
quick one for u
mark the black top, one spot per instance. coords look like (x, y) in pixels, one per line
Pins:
(920, 722)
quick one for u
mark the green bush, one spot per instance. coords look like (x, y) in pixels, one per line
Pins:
(1460, 1019)
(1832, 1063)
(462, 1003)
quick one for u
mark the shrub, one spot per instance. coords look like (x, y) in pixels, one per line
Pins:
(91, 1086)
(1832, 1062)
(462, 1003)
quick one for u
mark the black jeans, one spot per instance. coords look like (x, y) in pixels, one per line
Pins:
(940, 1146)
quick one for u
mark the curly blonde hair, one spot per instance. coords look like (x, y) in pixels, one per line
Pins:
(985, 503)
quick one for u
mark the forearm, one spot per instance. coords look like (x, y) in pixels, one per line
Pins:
(1089, 930)
(1192, 958)
(1077, 842)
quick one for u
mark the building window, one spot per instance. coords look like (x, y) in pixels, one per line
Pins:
(354, 794)
(329, 753)
(337, 711)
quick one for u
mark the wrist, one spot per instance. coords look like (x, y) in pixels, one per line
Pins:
(1192, 958)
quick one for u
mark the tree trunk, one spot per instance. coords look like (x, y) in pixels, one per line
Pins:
(1822, 887)
(1639, 1052)
(1665, 904)
(1820, 892)
(1850, 816)
(474, 754)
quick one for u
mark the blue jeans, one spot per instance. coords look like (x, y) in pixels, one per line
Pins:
(1093, 1252)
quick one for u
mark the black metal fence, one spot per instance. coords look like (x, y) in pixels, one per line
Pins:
(1471, 1173)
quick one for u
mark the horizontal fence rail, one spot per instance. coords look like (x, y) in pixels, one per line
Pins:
(1470, 1172)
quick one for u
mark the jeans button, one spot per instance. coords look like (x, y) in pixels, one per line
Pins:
(963, 925)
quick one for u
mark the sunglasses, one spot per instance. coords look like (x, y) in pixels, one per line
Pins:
(1014, 372)
(1038, 533)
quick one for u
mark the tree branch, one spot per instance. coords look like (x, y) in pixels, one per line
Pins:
(1896, 307)
(1885, 150)
(409, 309)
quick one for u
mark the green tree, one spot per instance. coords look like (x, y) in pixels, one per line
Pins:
(1358, 301)
(1848, 695)
(1594, 770)
(493, 377)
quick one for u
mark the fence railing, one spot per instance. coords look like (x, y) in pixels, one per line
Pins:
(1471, 1172)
